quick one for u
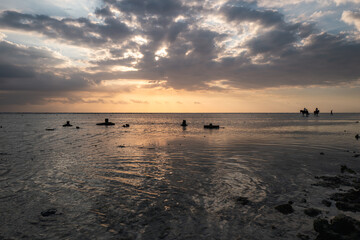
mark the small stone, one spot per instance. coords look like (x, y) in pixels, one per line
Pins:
(243, 200)
(348, 201)
(340, 228)
(344, 168)
(320, 225)
(326, 203)
(303, 236)
(312, 212)
(48, 212)
(285, 208)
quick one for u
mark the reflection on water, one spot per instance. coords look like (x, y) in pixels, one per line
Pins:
(157, 179)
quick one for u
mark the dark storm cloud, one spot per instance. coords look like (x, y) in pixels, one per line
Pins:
(79, 31)
(150, 7)
(280, 53)
(241, 13)
(29, 74)
(29, 68)
(103, 12)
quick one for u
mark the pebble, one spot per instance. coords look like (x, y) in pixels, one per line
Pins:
(312, 212)
(285, 208)
(49, 212)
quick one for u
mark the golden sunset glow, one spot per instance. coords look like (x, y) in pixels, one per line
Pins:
(218, 56)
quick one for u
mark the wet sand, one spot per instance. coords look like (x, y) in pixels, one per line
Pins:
(156, 180)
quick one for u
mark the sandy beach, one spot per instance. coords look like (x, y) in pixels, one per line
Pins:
(259, 176)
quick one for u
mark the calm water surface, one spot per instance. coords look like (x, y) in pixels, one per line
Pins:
(157, 180)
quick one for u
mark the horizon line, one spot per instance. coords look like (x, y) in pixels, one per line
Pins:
(321, 113)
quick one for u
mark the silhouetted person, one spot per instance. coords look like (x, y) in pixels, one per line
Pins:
(316, 112)
(357, 136)
(67, 124)
(331, 113)
(184, 124)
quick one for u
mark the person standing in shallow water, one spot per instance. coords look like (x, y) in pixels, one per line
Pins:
(331, 113)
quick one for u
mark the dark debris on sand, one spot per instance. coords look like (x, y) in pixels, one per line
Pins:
(243, 200)
(345, 169)
(337, 181)
(348, 201)
(326, 203)
(340, 227)
(285, 208)
(312, 212)
(49, 212)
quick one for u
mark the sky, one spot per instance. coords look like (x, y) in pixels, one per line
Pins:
(179, 55)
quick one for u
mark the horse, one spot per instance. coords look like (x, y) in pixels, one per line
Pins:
(305, 112)
(316, 112)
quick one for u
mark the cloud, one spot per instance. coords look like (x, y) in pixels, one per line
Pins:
(179, 44)
(148, 7)
(79, 31)
(352, 18)
(244, 13)
(29, 74)
(338, 2)
(139, 101)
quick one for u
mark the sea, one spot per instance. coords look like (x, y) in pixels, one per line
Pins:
(158, 180)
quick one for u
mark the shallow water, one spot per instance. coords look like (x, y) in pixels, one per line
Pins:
(158, 180)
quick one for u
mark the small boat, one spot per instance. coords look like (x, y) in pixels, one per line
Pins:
(126, 125)
(67, 124)
(50, 129)
(106, 123)
(211, 126)
(184, 124)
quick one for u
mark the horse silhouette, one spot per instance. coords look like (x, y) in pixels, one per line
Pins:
(305, 112)
(316, 112)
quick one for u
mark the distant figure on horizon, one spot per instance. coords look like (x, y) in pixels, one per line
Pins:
(304, 112)
(316, 112)
(331, 113)
(184, 124)
(67, 124)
